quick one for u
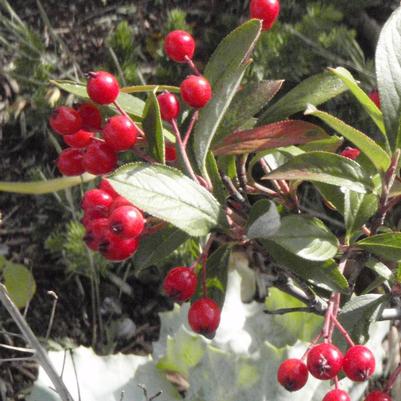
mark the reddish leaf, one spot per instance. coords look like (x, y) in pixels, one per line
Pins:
(276, 135)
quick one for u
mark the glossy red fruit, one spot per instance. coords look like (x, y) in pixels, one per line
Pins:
(171, 153)
(91, 117)
(292, 374)
(266, 10)
(377, 395)
(204, 316)
(69, 162)
(115, 248)
(350, 153)
(96, 203)
(337, 395)
(180, 283)
(324, 361)
(120, 133)
(359, 363)
(65, 120)
(95, 230)
(178, 45)
(196, 91)
(99, 158)
(375, 97)
(126, 222)
(169, 106)
(102, 87)
(81, 139)
(118, 202)
(106, 186)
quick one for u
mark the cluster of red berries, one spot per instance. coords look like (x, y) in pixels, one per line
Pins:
(113, 224)
(204, 314)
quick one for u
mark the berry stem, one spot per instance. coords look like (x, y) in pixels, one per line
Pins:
(187, 135)
(393, 377)
(192, 66)
(312, 344)
(204, 255)
(342, 330)
(327, 319)
(336, 382)
(125, 114)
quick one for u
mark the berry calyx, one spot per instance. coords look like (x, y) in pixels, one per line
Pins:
(97, 200)
(350, 153)
(120, 133)
(359, 363)
(171, 153)
(204, 317)
(91, 117)
(292, 374)
(95, 231)
(106, 186)
(115, 248)
(81, 139)
(196, 91)
(65, 120)
(375, 97)
(102, 87)
(69, 162)
(169, 106)
(179, 45)
(126, 222)
(377, 395)
(337, 395)
(266, 10)
(180, 283)
(324, 361)
(99, 159)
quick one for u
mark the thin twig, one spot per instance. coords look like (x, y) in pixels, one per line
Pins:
(192, 66)
(188, 133)
(52, 313)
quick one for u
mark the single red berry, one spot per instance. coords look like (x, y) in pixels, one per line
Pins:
(337, 395)
(95, 231)
(127, 222)
(204, 317)
(178, 45)
(118, 202)
(378, 396)
(266, 10)
(120, 133)
(65, 120)
(324, 361)
(81, 139)
(102, 87)
(96, 203)
(106, 186)
(375, 98)
(169, 106)
(91, 117)
(171, 153)
(196, 91)
(115, 248)
(292, 374)
(99, 158)
(350, 153)
(69, 162)
(359, 363)
(180, 283)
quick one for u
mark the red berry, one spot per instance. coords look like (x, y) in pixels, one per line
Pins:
(127, 222)
(102, 87)
(169, 106)
(120, 133)
(266, 10)
(196, 91)
(171, 154)
(99, 158)
(69, 162)
(204, 316)
(378, 396)
(375, 98)
(91, 117)
(359, 363)
(350, 153)
(324, 361)
(337, 395)
(115, 248)
(96, 203)
(65, 120)
(118, 202)
(106, 186)
(178, 45)
(95, 231)
(80, 139)
(292, 374)
(180, 283)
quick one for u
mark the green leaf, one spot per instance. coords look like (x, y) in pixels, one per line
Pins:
(379, 268)
(131, 104)
(154, 248)
(264, 220)
(225, 70)
(219, 190)
(330, 144)
(150, 88)
(306, 237)
(327, 168)
(388, 71)
(315, 90)
(153, 127)
(370, 148)
(387, 246)
(44, 187)
(280, 134)
(168, 194)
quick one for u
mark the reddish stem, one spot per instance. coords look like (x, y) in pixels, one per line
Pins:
(313, 342)
(392, 378)
(187, 135)
(205, 254)
(124, 113)
(192, 66)
(342, 330)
